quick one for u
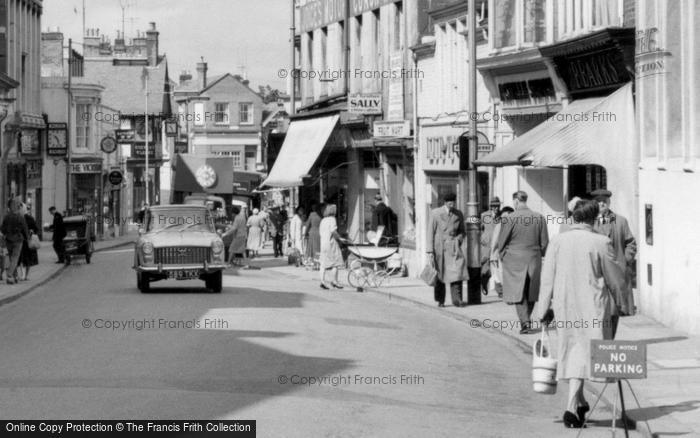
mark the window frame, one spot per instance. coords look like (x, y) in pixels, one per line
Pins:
(82, 125)
(226, 120)
(248, 111)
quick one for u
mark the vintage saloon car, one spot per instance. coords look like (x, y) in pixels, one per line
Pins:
(179, 241)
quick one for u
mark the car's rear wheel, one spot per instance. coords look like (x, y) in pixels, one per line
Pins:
(214, 281)
(143, 282)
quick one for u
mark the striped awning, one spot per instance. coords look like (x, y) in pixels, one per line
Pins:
(587, 131)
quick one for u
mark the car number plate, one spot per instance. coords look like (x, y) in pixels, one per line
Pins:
(189, 274)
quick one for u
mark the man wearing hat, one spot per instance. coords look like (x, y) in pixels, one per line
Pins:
(384, 216)
(624, 245)
(488, 219)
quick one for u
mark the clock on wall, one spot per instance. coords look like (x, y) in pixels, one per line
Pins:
(206, 176)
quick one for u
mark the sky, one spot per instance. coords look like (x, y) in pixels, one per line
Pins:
(233, 36)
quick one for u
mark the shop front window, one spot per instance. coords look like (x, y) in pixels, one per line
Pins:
(585, 179)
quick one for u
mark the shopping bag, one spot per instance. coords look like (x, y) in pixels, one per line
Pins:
(544, 366)
(429, 274)
(34, 242)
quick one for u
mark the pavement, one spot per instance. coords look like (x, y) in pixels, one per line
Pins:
(48, 269)
(669, 398)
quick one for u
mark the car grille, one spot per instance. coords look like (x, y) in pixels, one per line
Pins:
(182, 255)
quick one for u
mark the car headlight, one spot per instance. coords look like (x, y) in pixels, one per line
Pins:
(147, 248)
(217, 246)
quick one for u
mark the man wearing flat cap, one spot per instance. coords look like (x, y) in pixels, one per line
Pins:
(488, 219)
(624, 245)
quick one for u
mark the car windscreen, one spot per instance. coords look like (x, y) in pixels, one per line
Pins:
(180, 220)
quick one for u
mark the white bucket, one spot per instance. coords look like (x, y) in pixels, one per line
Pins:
(544, 367)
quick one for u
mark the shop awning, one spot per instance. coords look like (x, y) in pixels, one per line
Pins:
(302, 146)
(588, 131)
(216, 173)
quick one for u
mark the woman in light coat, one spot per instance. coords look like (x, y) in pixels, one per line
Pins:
(331, 256)
(296, 228)
(256, 225)
(579, 282)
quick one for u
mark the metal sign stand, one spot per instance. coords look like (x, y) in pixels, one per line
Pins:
(623, 412)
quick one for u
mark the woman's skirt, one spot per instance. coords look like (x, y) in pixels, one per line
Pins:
(255, 237)
(313, 247)
(29, 257)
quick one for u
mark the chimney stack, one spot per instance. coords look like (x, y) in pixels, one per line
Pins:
(202, 74)
(152, 44)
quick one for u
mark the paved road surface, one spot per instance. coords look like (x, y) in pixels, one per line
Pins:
(266, 336)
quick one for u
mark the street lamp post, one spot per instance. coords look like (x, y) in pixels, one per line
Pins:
(146, 141)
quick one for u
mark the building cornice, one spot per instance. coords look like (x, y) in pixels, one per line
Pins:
(424, 50)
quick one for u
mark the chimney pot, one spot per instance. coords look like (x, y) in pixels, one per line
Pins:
(152, 25)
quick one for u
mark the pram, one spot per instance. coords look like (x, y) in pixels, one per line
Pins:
(365, 270)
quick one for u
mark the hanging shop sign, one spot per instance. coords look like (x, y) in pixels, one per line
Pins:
(86, 168)
(365, 103)
(57, 139)
(115, 177)
(171, 128)
(180, 147)
(125, 135)
(138, 150)
(108, 145)
(29, 142)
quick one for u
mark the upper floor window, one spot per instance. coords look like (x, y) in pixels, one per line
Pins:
(221, 113)
(518, 23)
(237, 164)
(534, 21)
(82, 125)
(245, 113)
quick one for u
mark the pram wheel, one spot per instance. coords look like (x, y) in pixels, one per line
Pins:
(360, 277)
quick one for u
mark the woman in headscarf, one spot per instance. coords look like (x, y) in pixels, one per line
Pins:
(255, 224)
(29, 256)
(331, 256)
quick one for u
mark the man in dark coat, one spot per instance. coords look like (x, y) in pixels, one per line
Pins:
(384, 216)
(277, 220)
(446, 236)
(14, 228)
(617, 229)
(522, 243)
(59, 232)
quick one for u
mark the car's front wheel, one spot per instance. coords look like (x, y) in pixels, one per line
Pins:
(143, 282)
(214, 281)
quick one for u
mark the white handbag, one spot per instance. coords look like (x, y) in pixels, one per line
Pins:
(544, 366)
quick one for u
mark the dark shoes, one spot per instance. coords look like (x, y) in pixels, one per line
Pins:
(581, 412)
(441, 304)
(571, 421)
(323, 286)
(337, 286)
(525, 329)
(460, 304)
